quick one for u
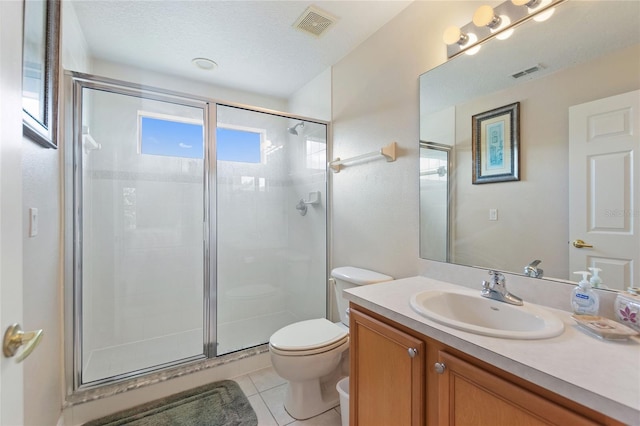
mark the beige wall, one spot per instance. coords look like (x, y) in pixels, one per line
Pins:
(375, 101)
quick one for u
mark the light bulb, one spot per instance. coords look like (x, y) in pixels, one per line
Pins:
(506, 21)
(543, 16)
(529, 3)
(485, 17)
(475, 49)
(453, 35)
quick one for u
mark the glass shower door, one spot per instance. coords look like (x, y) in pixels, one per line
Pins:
(140, 181)
(270, 224)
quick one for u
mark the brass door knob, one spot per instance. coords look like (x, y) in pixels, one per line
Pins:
(14, 337)
(581, 244)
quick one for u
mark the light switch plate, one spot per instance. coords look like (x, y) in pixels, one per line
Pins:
(33, 222)
(493, 214)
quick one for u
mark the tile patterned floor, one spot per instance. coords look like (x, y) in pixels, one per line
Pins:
(265, 391)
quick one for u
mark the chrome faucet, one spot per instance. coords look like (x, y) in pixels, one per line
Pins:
(496, 289)
(532, 270)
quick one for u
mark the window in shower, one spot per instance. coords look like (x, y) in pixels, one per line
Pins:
(161, 134)
(316, 154)
(243, 146)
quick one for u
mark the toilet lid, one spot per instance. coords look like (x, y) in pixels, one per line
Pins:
(305, 335)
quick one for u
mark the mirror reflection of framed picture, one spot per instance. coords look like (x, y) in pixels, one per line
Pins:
(41, 39)
(495, 140)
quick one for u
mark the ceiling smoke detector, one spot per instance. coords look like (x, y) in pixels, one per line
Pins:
(314, 21)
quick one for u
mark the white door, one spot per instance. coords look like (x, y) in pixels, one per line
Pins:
(11, 384)
(604, 210)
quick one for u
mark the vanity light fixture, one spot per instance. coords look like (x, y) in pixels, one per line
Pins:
(543, 16)
(531, 4)
(453, 35)
(473, 42)
(486, 17)
(498, 22)
(506, 23)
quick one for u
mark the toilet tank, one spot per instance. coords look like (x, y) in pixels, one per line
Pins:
(348, 277)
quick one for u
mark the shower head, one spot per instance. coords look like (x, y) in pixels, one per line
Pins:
(293, 130)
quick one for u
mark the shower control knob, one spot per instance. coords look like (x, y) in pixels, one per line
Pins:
(439, 367)
(413, 352)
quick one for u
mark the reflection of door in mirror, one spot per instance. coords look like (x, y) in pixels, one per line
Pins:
(604, 139)
(434, 188)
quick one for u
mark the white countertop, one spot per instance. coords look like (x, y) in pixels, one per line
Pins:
(602, 375)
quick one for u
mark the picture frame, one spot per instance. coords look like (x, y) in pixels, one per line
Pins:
(40, 67)
(496, 145)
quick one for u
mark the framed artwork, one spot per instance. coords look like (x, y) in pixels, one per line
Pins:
(41, 40)
(495, 144)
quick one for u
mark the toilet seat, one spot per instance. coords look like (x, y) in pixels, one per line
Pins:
(308, 337)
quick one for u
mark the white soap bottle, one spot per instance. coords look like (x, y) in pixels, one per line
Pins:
(596, 281)
(584, 300)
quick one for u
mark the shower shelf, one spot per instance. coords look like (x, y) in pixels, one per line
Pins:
(389, 152)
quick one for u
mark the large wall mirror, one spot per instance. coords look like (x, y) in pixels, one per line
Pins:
(586, 52)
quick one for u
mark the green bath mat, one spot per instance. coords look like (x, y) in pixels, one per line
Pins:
(217, 404)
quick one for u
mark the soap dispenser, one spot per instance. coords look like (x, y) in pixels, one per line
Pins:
(596, 281)
(584, 300)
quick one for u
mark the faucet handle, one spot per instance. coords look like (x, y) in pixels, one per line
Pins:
(497, 276)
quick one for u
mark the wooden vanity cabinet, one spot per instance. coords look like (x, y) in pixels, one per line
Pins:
(469, 395)
(387, 377)
(440, 385)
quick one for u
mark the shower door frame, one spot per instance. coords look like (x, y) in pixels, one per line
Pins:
(74, 83)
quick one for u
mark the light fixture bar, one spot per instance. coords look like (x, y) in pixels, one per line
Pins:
(517, 11)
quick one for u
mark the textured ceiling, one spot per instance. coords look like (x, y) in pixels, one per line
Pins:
(254, 42)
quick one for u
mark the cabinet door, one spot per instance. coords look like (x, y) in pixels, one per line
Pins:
(387, 374)
(469, 395)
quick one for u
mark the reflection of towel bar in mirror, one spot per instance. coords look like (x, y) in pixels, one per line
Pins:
(440, 171)
(389, 152)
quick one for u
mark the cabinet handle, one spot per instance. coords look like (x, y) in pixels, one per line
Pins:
(413, 352)
(439, 367)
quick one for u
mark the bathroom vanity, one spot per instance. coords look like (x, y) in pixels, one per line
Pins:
(409, 370)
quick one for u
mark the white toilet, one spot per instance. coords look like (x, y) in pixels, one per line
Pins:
(313, 355)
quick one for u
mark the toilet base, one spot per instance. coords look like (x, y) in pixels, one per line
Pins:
(312, 397)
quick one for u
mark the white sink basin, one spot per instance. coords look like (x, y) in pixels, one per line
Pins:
(467, 310)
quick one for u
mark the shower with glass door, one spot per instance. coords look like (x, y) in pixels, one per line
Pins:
(187, 244)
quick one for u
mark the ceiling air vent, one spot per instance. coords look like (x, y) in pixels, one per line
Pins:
(528, 71)
(314, 21)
